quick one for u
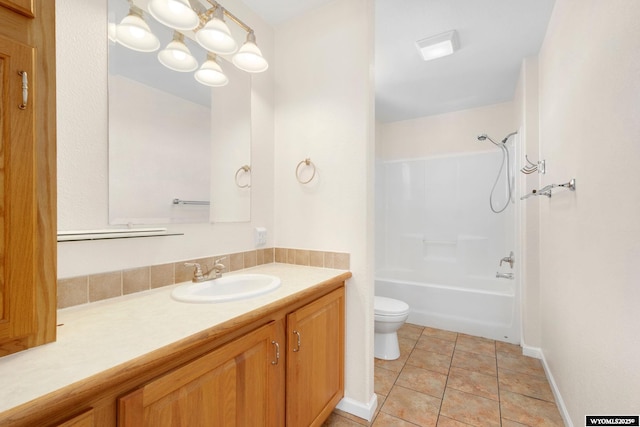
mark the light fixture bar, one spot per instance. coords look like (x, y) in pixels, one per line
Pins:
(230, 15)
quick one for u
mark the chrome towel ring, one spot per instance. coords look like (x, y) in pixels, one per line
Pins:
(306, 162)
(245, 169)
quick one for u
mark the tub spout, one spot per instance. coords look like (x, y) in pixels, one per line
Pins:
(504, 276)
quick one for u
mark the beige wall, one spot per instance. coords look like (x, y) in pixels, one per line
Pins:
(590, 239)
(81, 37)
(324, 111)
(445, 133)
(321, 114)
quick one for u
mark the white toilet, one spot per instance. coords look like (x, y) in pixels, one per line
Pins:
(390, 314)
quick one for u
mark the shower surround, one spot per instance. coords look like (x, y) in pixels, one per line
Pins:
(438, 245)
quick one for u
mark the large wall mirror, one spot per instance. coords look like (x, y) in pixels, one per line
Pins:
(179, 151)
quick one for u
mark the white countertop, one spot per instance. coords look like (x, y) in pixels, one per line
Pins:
(98, 336)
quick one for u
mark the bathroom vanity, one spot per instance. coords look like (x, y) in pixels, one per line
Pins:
(148, 360)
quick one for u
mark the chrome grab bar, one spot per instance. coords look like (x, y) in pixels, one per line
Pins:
(189, 202)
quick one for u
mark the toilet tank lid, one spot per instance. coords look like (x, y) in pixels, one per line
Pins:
(383, 305)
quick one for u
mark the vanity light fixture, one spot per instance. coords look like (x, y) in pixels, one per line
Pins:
(210, 73)
(215, 36)
(249, 58)
(135, 34)
(176, 14)
(209, 30)
(176, 56)
(438, 46)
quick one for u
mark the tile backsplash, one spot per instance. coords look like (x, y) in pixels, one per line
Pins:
(96, 287)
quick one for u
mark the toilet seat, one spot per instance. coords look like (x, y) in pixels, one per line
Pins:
(383, 306)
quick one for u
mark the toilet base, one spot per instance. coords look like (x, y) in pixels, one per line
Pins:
(386, 346)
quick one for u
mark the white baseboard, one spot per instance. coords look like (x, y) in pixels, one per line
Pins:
(359, 409)
(537, 353)
(534, 352)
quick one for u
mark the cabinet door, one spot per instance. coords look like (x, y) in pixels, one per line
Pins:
(18, 215)
(315, 360)
(86, 419)
(236, 385)
(24, 7)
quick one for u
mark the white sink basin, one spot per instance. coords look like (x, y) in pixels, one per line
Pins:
(227, 288)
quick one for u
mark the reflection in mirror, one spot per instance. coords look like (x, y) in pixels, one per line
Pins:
(171, 137)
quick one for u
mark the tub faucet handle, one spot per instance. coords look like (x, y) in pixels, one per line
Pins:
(508, 259)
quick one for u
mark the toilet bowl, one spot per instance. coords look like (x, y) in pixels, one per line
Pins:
(389, 315)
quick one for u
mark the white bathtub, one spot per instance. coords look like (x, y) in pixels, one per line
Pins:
(486, 311)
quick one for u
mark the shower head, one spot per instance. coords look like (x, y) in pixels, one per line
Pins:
(484, 137)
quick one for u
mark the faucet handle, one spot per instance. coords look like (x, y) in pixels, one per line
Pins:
(508, 259)
(218, 267)
(197, 273)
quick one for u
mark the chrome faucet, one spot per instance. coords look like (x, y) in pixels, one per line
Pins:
(504, 276)
(200, 276)
(508, 259)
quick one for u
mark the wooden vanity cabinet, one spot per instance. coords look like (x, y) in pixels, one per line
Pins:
(85, 419)
(241, 383)
(236, 385)
(315, 360)
(27, 175)
(248, 371)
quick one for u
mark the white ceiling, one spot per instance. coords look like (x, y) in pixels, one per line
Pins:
(495, 35)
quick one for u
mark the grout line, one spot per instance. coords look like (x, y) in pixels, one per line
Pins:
(448, 373)
(495, 347)
(447, 381)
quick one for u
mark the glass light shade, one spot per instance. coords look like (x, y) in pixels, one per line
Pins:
(135, 34)
(112, 28)
(174, 13)
(177, 57)
(215, 35)
(210, 73)
(249, 58)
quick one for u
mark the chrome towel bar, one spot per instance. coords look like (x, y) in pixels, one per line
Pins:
(190, 202)
(546, 191)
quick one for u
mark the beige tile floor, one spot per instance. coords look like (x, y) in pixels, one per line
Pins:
(447, 379)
